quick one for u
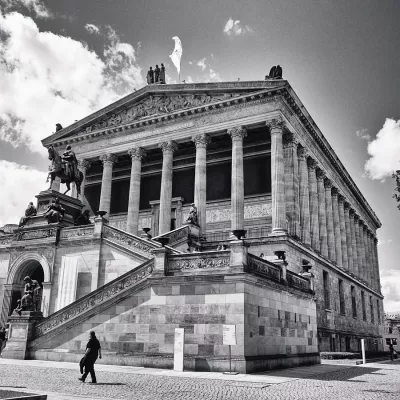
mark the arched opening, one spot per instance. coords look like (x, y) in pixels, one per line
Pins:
(31, 268)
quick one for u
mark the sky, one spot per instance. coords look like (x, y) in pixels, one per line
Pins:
(61, 60)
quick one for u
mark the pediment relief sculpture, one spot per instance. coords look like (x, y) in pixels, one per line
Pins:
(158, 105)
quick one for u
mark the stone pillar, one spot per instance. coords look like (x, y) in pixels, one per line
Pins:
(371, 260)
(336, 227)
(291, 183)
(168, 149)
(106, 182)
(322, 214)
(237, 135)
(83, 166)
(354, 243)
(304, 197)
(313, 201)
(277, 178)
(362, 250)
(132, 221)
(343, 236)
(329, 220)
(358, 245)
(367, 256)
(200, 180)
(378, 278)
(348, 237)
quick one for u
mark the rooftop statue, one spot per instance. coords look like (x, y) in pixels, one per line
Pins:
(162, 73)
(29, 212)
(150, 76)
(65, 167)
(58, 127)
(55, 212)
(157, 74)
(275, 73)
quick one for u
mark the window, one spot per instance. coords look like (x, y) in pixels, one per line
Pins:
(364, 312)
(327, 297)
(371, 307)
(378, 311)
(341, 298)
(353, 302)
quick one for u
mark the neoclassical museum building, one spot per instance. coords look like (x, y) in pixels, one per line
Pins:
(283, 245)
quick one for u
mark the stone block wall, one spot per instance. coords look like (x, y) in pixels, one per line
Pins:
(274, 328)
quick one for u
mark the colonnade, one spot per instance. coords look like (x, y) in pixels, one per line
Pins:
(305, 202)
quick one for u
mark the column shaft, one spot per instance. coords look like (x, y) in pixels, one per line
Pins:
(362, 250)
(313, 200)
(237, 135)
(329, 220)
(322, 214)
(132, 222)
(336, 227)
(354, 243)
(348, 237)
(291, 184)
(304, 197)
(378, 278)
(343, 236)
(277, 178)
(200, 180)
(83, 166)
(367, 256)
(106, 182)
(168, 149)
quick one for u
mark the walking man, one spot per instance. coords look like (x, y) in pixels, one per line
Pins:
(391, 350)
(93, 350)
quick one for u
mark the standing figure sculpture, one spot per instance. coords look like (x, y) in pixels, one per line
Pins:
(150, 76)
(58, 127)
(29, 212)
(192, 217)
(157, 74)
(65, 168)
(162, 73)
(55, 212)
(32, 296)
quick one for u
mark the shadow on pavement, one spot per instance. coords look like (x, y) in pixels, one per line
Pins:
(109, 384)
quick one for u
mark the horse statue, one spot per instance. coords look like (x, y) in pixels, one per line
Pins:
(65, 167)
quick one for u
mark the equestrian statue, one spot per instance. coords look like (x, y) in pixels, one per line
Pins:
(64, 167)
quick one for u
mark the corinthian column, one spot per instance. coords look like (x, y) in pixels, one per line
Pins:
(200, 179)
(367, 256)
(132, 222)
(106, 182)
(83, 166)
(277, 178)
(362, 250)
(371, 260)
(304, 197)
(168, 149)
(291, 183)
(329, 220)
(348, 237)
(237, 135)
(323, 238)
(336, 227)
(343, 237)
(354, 243)
(313, 200)
(360, 261)
(378, 278)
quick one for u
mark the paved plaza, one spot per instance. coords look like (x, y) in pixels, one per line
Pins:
(59, 381)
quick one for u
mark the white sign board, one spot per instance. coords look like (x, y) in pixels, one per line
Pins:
(178, 348)
(229, 334)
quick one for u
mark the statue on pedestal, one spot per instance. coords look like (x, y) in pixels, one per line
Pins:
(192, 217)
(55, 212)
(150, 76)
(31, 299)
(71, 164)
(29, 212)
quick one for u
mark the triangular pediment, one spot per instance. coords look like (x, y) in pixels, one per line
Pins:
(156, 101)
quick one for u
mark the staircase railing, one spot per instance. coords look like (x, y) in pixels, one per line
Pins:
(176, 235)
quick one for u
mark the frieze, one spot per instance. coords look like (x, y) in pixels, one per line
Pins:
(130, 240)
(250, 211)
(76, 232)
(263, 268)
(6, 240)
(197, 263)
(297, 281)
(99, 296)
(37, 234)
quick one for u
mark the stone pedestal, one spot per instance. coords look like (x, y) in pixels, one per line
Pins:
(238, 253)
(19, 333)
(160, 261)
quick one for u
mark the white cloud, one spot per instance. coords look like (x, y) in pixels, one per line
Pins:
(363, 134)
(19, 184)
(384, 151)
(190, 62)
(189, 79)
(91, 28)
(202, 63)
(47, 78)
(390, 281)
(214, 76)
(37, 7)
(235, 28)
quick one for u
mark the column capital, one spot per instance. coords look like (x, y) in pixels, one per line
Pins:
(361, 222)
(341, 198)
(275, 125)
(302, 153)
(311, 164)
(137, 153)
(202, 140)
(328, 184)
(347, 205)
(375, 240)
(84, 164)
(237, 133)
(356, 218)
(170, 146)
(289, 140)
(352, 212)
(320, 175)
(108, 159)
(335, 192)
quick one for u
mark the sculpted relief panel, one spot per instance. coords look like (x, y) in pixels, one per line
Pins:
(250, 211)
